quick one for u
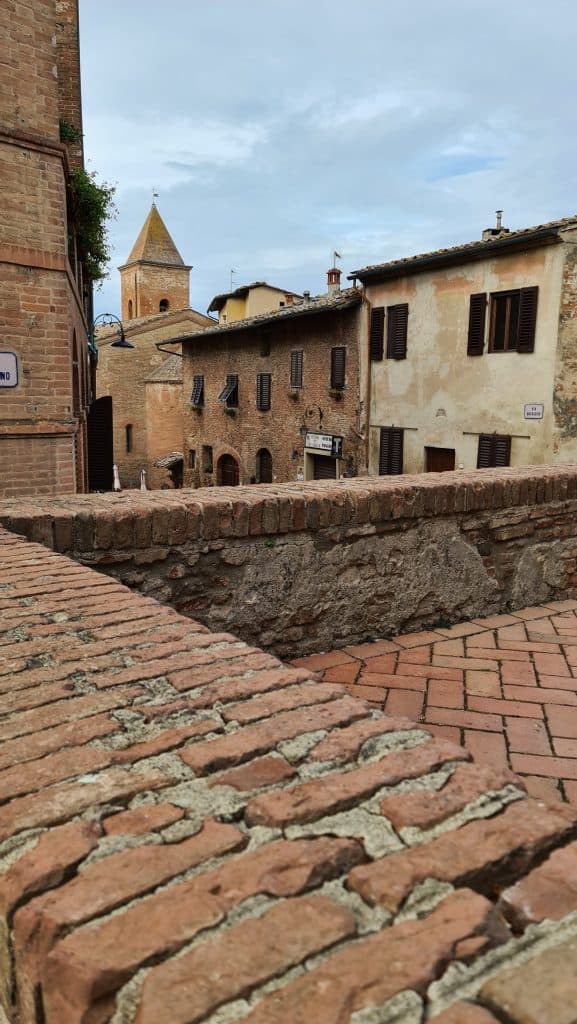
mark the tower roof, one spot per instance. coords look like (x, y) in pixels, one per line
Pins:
(154, 244)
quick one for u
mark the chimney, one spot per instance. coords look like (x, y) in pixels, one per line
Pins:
(307, 296)
(333, 281)
(498, 231)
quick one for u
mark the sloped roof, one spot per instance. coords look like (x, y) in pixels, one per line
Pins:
(154, 244)
(242, 291)
(539, 234)
(170, 371)
(316, 304)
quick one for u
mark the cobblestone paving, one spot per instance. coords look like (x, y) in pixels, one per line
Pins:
(504, 686)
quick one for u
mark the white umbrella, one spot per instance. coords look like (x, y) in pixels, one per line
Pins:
(143, 486)
(116, 484)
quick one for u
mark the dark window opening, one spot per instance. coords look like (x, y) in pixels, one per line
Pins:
(338, 368)
(265, 345)
(263, 390)
(324, 468)
(377, 333)
(391, 451)
(263, 466)
(296, 369)
(513, 320)
(130, 314)
(191, 458)
(163, 305)
(494, 450)
(197, 395)
(128, 433)
(206, 458)
(229, 393)
(397, 323)
(439, 460)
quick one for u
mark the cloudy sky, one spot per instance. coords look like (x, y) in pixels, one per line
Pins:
(278, 130)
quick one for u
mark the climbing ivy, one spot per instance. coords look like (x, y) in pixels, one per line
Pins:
(92, 208)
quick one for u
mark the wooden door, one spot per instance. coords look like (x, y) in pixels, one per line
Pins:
(227, 474)
(100, 454)
(439, 460)
(324, 468)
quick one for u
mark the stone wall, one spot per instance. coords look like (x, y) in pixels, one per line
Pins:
(191, 832)
(309, 567)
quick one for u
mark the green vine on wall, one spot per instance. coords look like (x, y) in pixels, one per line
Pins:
(92, 208)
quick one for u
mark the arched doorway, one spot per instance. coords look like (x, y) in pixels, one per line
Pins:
(227, 474)
(263, 466)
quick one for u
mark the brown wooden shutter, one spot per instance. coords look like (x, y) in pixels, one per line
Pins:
(338, 366)
(377, 333)
(263, 391)
(527, 319)
(397, 331)
(391, 451)
(477, 313)
(493, 450)
(501, 451)
(297, 369)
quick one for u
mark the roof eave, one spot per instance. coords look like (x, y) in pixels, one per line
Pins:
(388, 271)
(263, 320)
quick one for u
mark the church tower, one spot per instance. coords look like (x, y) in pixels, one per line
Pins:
(154, 278)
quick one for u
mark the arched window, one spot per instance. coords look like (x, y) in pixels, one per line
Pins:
(130, 313)
(263, 466)
(227, 474)
(163, 306)
(128, 430)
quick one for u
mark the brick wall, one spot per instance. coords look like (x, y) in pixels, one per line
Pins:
(246, 431)
(315, 566)
(192, 832)
(43, 418)
(164, 416)
(145, 284)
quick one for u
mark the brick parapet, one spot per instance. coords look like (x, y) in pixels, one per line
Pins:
(189, 828)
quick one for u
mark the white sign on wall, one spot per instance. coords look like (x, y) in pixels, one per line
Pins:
(329, 443)
(534, 411)
(8, 370)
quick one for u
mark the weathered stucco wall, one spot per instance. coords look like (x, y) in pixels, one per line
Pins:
(443, 397)
(301, 568)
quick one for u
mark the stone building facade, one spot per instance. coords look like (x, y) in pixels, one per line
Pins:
(153, 275)
(468, 357)
(45, 386)
(292, 411)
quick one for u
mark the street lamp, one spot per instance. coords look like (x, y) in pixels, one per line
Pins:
(110, 318)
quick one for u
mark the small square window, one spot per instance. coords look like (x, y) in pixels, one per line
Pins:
(207, 458)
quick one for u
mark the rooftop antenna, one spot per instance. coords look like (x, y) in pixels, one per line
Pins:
(231, 276)
(154, 195)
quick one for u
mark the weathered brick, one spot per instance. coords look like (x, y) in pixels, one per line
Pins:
(547, 892)
(287, 699)
(263, 771)
(543, 989)
(148, 818)
(248, 954)
(482, 853)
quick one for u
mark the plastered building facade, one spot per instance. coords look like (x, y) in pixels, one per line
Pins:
(45, 386)
(289, 416)
(251, 300)
(142, 415)
(487, 374)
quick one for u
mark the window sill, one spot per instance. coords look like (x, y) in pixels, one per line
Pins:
(230, 410)
(197, 408)
(336, 393)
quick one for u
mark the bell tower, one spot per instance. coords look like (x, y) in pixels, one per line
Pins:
(154, 278)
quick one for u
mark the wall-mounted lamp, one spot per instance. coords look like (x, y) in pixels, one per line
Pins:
(110, 318)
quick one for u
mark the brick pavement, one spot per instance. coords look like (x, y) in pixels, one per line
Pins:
(504, 686)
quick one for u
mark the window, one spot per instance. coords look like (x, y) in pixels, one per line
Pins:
(229, 393)
(297, 369)
(338, 368)
(391, 451)
(206, 458)
(128, 432)
(512, 320)
(494, 450)
(476, 336)
(377, 333)
(163, 306)
(397, 321)
(265, 344)
(197, 395)
(263, 387)
(130, 309)
(191, 458)
(263, 466)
